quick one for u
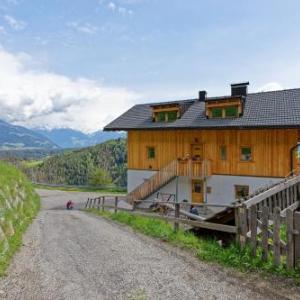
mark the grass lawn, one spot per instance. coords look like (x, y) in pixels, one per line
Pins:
(108, 190)
(206, 249)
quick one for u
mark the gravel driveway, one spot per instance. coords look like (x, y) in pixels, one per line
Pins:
(74, 255)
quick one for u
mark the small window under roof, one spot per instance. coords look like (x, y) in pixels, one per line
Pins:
(231, 107)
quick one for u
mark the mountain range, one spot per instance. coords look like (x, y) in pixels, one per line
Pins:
(69, 138)
(17, 137)
(14, 137)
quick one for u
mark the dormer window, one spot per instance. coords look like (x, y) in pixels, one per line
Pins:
(224, 108)
(165, 113)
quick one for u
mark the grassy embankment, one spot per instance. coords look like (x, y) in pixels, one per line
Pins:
(19, 204)
(204, 248)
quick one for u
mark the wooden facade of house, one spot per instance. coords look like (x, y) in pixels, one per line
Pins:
(268, 147)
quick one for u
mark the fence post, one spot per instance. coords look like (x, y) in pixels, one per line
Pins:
(276, 236)
(116, 204)
(253, 228)
(244, 226)
(265, 233)
(103, 203)
(134, 205)
(98, 206)
(290, 255)
(94, 204)
(177, 214)
(297, 237)
(87, 203)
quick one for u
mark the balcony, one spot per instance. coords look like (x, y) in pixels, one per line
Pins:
(197, 169)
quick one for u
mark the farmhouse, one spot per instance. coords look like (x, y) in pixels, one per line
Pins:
(212, 149)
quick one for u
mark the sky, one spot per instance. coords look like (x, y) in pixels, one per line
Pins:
(81, 63)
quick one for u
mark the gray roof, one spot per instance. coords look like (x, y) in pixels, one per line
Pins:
(262, 110)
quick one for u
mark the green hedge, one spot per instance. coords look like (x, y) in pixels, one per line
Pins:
(19, 204)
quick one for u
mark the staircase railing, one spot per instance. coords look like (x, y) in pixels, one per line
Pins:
(281, 194)
(195, 169)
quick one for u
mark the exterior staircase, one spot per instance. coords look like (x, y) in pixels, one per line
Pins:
(188, 167)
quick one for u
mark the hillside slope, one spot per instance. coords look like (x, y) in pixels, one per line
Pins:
(17, 137)
(76, 167)
(18, 205)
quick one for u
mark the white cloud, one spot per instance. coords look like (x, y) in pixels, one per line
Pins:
(83, 28)
(14, 23)
(112, 6)
(119, 9)
(37, 98)
(270, 86)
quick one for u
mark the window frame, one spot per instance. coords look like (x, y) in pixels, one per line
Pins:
(149, 149)
(241, 154)
(220, 152)
(237, 186)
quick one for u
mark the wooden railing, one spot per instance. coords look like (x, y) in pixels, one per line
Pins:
(259, 218)
(189, 167)
(194, 168)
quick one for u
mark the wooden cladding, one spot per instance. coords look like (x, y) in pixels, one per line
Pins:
(270, 149)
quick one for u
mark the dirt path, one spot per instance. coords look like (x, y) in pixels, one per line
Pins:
(73, 255)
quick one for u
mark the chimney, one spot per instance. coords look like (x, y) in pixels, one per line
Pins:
(239, 89)
(202, 96)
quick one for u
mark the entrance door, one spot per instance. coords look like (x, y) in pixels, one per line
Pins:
(197, 191)
(197, 151)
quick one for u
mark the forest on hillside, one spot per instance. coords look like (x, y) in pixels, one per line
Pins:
(97, 165)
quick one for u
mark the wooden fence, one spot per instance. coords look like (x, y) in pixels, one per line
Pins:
(275, 231)
(101, 203)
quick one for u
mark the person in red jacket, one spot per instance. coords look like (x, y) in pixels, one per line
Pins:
(70, 204)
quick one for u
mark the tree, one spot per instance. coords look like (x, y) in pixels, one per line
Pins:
(99, 177)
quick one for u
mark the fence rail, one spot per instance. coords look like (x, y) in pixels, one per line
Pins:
(101, 203)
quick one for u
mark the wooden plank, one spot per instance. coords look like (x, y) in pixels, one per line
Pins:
(276, 236)
(264, 233)
(177, 215)
(237, 224)
(297, 237)
(198, 224)
(103, 203)
(253, 228)
(276, 189)
(293, 207)
(116, 204)
(244, 226)
(290, 256)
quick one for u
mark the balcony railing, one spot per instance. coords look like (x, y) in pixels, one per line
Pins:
(194, 168)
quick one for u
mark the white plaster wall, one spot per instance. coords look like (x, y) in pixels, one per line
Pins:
(137, 177)
(184, 189)
(223, 186)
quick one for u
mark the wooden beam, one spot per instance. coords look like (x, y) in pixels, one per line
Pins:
(272, 191)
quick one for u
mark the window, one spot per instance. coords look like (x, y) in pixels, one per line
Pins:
(216, 112)
(171, 116)
(241, 191)
(197, 187)
(160, 117)
(166, 116)
(246, 154)
(150, 152)
(231, 111)
(223, 152)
